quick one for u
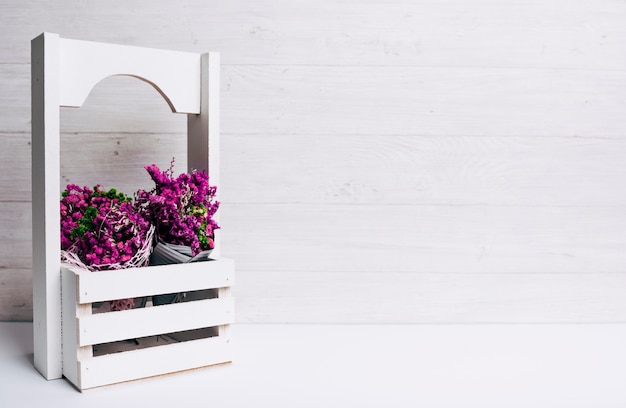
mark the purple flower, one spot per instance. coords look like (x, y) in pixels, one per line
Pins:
(181, 208)
(101, 227)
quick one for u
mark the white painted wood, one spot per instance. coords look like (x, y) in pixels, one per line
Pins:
(18, 251)
(45, 205)
(479, 33)
(69, 326)
(153, 361)
(203, 130)
(388, 297)
(437, 170)
(73, 352)
(150, 321)
(81, 329)
(427, 101)
(63, 73)
(418, 238)
(151, 280)
(16, 299)
(423, 297)
(224, 329)
(15, 101)
(472, 239)
(324, 90)
(82, 312)
(85, 63)
(304, 101)
(313, 100)
(456, 170)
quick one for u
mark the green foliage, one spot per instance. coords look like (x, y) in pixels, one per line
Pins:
(111, 194)
(86, 223)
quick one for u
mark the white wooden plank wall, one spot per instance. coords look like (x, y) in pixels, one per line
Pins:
(403, 161)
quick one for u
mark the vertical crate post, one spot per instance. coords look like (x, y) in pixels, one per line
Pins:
(45, 190)
(63, 73)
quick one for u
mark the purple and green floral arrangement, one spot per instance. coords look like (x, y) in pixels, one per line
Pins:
(105, 229)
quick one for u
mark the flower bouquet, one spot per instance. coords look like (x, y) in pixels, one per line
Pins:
(181, 209)
(104, 230)
(172, 223)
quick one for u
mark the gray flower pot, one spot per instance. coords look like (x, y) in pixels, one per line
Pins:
(166, 254)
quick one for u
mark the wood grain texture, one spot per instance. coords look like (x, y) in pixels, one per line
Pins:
(484, 33)
(82, 329)
(16, 248)
(425, 239)
(98, 287)
(15, 96)
(369, 100)
(437, 170)
(108, 327)
(16, 294)
(352, 168)
(399, 297)
(407, 238)
(174, 74)
(395, 297)
(472, 151)
(425, 101)
(154, 361)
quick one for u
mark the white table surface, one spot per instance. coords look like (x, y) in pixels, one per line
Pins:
(482, 366)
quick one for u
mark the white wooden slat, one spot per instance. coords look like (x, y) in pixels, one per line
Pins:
(431, 238)
(386, 297)
(313, 100)
(330, 169)
(15, 98)
(16, 238)
(430, 101)
(424, 101)
(380, 297)
(150, 280)
(69, 326)
(174, 74)
(118, 160)
(16, 185)
(153, 361)
(424, 238)
(203, 130)
(16, 294)
(113, 326)
(223, 330)
(441, 170)
(526, 33)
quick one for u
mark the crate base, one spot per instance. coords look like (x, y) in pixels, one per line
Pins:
(119, 346)
(152, 362)
(183, 372)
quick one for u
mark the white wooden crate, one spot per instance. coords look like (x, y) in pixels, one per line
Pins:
(171, 338)
(70, 340)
